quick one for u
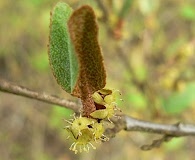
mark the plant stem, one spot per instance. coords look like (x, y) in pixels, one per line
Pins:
(25, 92)
(124, 123)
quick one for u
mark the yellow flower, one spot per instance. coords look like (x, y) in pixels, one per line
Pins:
(106, 98)
(84, 131)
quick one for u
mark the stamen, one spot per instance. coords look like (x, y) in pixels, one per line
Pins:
(80, 133)
(71, 147)
(88, 147)
(92, 145)
(76, 151)
(66, 127)
(95, 139)
(85, 149)
(74, 147)
(74, 116)
(109, 120)
(117, 109)
(114, 115)
(105, 137)
(80, 148)
(117, 91)
(114, 104)
(68, 121)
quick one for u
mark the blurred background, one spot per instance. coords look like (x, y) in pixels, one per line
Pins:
(148, 48)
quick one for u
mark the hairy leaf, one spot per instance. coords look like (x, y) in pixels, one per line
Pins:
(84, 32)
(74, 53)
(61, 55)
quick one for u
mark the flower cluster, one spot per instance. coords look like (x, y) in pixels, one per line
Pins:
(105, 100)
(84, 130)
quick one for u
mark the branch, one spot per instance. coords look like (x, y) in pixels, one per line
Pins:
(167, 130)
(124, 123)
(22, 91)
(176, 130)
(104, 10)
(132, 124)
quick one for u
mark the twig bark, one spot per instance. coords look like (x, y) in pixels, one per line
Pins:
(124, 123)
(25, 92)
(176, 130)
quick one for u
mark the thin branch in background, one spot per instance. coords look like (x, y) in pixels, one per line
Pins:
(156, 143)
(22, 91)
(128, 67)
(105, 16)
(104, 10)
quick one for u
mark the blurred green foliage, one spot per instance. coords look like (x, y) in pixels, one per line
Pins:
(188, 12)
(57, 116)
(175, 144)
(39, 61)
(178, 101)
(149, 57)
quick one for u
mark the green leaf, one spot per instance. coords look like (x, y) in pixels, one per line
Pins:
(63, 61)
(80, 48)
(179, 101)
(82, 43)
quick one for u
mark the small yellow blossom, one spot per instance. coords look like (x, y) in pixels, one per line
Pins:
(106, 98)
(84, 131)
